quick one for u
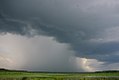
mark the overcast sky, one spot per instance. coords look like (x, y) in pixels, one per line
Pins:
(59, 35)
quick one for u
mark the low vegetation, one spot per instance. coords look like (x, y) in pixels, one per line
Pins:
(24, 75)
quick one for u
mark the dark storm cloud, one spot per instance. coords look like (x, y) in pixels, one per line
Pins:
(9, 25)
(80, 23)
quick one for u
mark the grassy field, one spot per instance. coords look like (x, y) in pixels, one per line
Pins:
(19, 75)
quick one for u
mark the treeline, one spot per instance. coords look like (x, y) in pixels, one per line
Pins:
(2, 69)
(109, 71)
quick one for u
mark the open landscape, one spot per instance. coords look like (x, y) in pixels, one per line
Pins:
(59, 39)
(25, 75)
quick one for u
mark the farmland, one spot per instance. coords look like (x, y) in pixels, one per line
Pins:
(24, 75)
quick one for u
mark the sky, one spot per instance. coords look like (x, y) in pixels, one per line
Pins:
(59, 35)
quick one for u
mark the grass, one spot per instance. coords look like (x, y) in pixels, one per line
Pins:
(19, 75)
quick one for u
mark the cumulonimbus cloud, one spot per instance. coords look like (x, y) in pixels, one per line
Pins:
(84, 25)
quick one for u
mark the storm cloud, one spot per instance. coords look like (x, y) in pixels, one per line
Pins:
(89, 27)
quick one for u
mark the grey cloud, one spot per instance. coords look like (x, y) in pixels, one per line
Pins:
(74, 22)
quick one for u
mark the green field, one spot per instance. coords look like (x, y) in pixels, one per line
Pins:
(19, 75)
